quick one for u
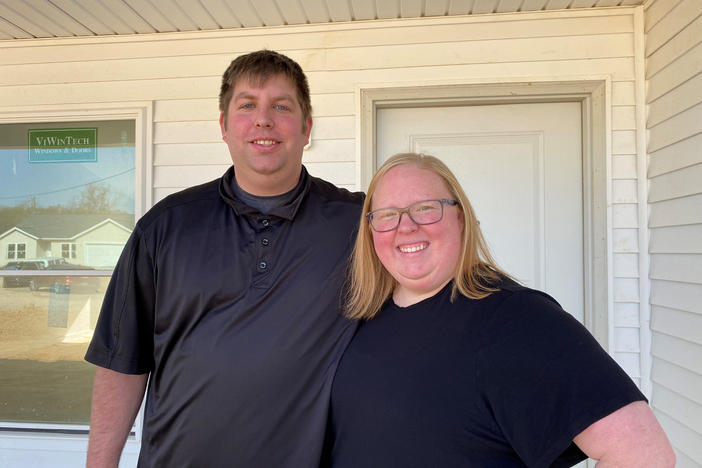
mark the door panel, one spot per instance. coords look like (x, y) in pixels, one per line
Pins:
(521, 166)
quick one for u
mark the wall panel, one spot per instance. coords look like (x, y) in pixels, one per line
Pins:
(674, 73)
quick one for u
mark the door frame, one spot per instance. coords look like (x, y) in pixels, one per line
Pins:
(594, 94)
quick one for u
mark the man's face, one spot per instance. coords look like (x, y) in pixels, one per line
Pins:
(265, 133)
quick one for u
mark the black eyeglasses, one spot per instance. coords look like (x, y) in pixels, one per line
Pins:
(421, 212)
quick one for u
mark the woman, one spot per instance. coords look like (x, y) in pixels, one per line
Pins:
(460, 366)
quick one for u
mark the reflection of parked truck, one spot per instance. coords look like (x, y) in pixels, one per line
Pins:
(19, 281)
(49, 281)
(72, 282)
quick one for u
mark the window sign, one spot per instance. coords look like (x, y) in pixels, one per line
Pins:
(63, 145)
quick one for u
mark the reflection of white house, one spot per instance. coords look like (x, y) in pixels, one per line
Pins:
(86, 239)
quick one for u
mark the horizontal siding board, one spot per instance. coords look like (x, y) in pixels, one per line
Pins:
(186, 110)
(684, 125)
(187, 132)
(289, 41)
(335, 150)
(679, 17)
(656, 11)
(343, 173)
(678, 323)
(184, 154)
(683, 41)
(186, 176)
(677, 295)
(677, 212)
(679, 155)
(378, 57)
(682, 438)
(678, 379)
(687, 412)
(333, 104)
(683, 461)
(676, 73)
(683, 353)
(676, 239)
(676, 184)
(677, 267)
(675, 101)
(322, 82)
(327, 128)
(487, 51)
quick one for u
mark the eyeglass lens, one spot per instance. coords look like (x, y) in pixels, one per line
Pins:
(422, 212)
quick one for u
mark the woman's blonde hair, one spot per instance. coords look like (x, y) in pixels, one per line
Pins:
(370, 284)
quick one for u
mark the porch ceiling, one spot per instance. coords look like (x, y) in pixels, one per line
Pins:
(29, 19)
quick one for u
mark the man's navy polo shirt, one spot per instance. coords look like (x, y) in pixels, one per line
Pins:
(237, 316)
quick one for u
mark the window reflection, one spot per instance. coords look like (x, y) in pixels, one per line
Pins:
(66, 211)
(61, 206)
(44, 334)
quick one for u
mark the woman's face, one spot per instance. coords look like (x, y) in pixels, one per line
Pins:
(421, 258)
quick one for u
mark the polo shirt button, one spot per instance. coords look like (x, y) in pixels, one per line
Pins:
(265, 222)
(265, 241)
(262, 265)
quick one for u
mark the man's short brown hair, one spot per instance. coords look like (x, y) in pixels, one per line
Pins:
(258, 67)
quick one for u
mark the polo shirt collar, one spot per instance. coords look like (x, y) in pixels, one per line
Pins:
(286, 211)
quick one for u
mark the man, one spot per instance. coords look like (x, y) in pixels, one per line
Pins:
(228, 295)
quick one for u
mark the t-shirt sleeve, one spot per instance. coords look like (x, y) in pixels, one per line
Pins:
(123, 337)
(545, 379)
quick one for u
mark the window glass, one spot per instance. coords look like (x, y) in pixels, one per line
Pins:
(66, 211)
(68, 250)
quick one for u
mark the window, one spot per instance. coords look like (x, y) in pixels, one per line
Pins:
(16, 251)
(68, 250)
(69, 197)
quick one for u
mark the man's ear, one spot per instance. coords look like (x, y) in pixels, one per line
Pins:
(223, 125)
(308, 128)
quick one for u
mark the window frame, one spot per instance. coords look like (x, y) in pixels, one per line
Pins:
(69, 248)
(141, 113)
(16, 251)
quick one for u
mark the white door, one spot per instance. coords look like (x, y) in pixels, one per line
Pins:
(521, 167)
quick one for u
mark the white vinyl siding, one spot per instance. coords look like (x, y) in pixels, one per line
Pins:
(674, 100)
(181, 73)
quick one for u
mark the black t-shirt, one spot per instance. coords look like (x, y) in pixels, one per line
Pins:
(505, 381)
(236, 315)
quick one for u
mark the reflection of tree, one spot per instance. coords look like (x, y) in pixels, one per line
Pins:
(11, 216)
(93, 199)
